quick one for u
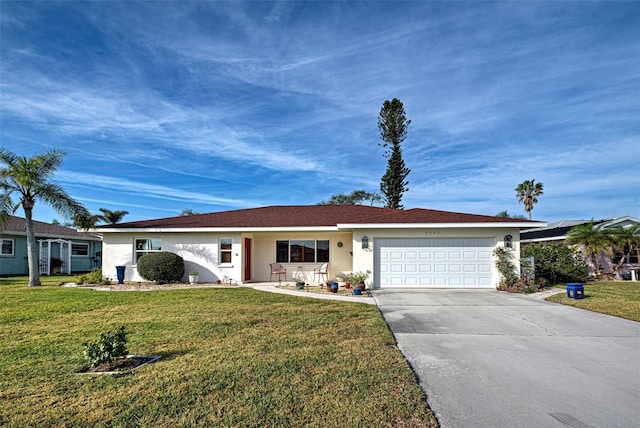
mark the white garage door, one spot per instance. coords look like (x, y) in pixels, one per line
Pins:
(434, 262)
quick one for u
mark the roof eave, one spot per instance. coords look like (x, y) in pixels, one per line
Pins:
(483, 225)
(220, 229)
(53, 236)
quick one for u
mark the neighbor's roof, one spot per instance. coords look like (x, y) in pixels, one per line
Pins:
(558, 231)
(315, 216)
(16, 226)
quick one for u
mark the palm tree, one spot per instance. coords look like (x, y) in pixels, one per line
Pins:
(594, 241)
(111, 217)
(626, 239)
(30, 180)
(527, 193)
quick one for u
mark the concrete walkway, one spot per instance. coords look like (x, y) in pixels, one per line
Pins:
(492, 359)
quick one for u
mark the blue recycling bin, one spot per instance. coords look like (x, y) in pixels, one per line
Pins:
(575, 290)
(120, 274)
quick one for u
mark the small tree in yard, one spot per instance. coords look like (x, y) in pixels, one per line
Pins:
(393, 125)
(110, 346)
(30, 180)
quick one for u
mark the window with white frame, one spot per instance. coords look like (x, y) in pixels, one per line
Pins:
(6, 247)
(80, 250)
(302, 251)
(144, 246)
(226, 245)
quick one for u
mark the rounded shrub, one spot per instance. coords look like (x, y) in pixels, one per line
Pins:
(161, 267)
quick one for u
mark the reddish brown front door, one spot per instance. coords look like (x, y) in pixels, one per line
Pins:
(247, 259)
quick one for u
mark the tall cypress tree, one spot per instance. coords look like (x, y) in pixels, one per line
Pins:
(393, 125)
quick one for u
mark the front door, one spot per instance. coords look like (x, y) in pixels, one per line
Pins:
(247, 259)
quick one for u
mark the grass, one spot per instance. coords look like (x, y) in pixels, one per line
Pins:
(231, 357)
(617, 298)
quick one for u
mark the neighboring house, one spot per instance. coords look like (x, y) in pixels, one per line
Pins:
(76, 252)
(401, 248)
(557, 232)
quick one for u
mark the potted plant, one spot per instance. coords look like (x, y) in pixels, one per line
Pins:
(347, 278)
(359, 279)
(299, 278)
(193, 277)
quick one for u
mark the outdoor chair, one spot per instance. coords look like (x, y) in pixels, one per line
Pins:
(277, 269)
(321, 271)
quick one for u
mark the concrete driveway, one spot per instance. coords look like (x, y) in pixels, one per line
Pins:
(491, 359)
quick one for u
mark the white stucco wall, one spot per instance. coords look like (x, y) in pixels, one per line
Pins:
(363, 260)
(200, 252)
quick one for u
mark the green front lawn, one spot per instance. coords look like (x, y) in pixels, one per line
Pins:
(231, 357)
(617, 298)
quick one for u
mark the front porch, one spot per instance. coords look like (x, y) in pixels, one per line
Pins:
(301, 254)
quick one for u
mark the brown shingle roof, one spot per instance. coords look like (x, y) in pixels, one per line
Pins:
(311, 216)
(16, 225)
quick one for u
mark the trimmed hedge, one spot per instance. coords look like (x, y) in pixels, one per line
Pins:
(161, 267)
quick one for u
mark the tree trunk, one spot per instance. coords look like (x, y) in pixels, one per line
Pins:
(32, 250)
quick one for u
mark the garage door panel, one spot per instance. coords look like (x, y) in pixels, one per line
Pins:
(440, 281)
(439, 255)
(396, 268)
(469, 255)
(435, 262)
(439, 268)
(469, 268)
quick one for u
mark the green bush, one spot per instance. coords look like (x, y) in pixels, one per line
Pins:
(110, 346)
(556, 263)
(506, 267)
(161, 267)
(93, 277)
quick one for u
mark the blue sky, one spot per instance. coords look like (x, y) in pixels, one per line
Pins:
(212, 106)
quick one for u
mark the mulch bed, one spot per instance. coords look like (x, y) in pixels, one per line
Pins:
(131, 285)
(324, 290)
(123, 364)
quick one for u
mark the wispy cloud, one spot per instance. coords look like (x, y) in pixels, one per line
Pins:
(229, 104)
(147, 190)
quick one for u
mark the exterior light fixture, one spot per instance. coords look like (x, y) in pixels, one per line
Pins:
(508, 241)
(365, 242)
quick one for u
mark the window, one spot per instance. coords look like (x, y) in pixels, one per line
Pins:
(146, 245)
(6, 247)
(225, 250)
(302, 251)
(80, 249)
